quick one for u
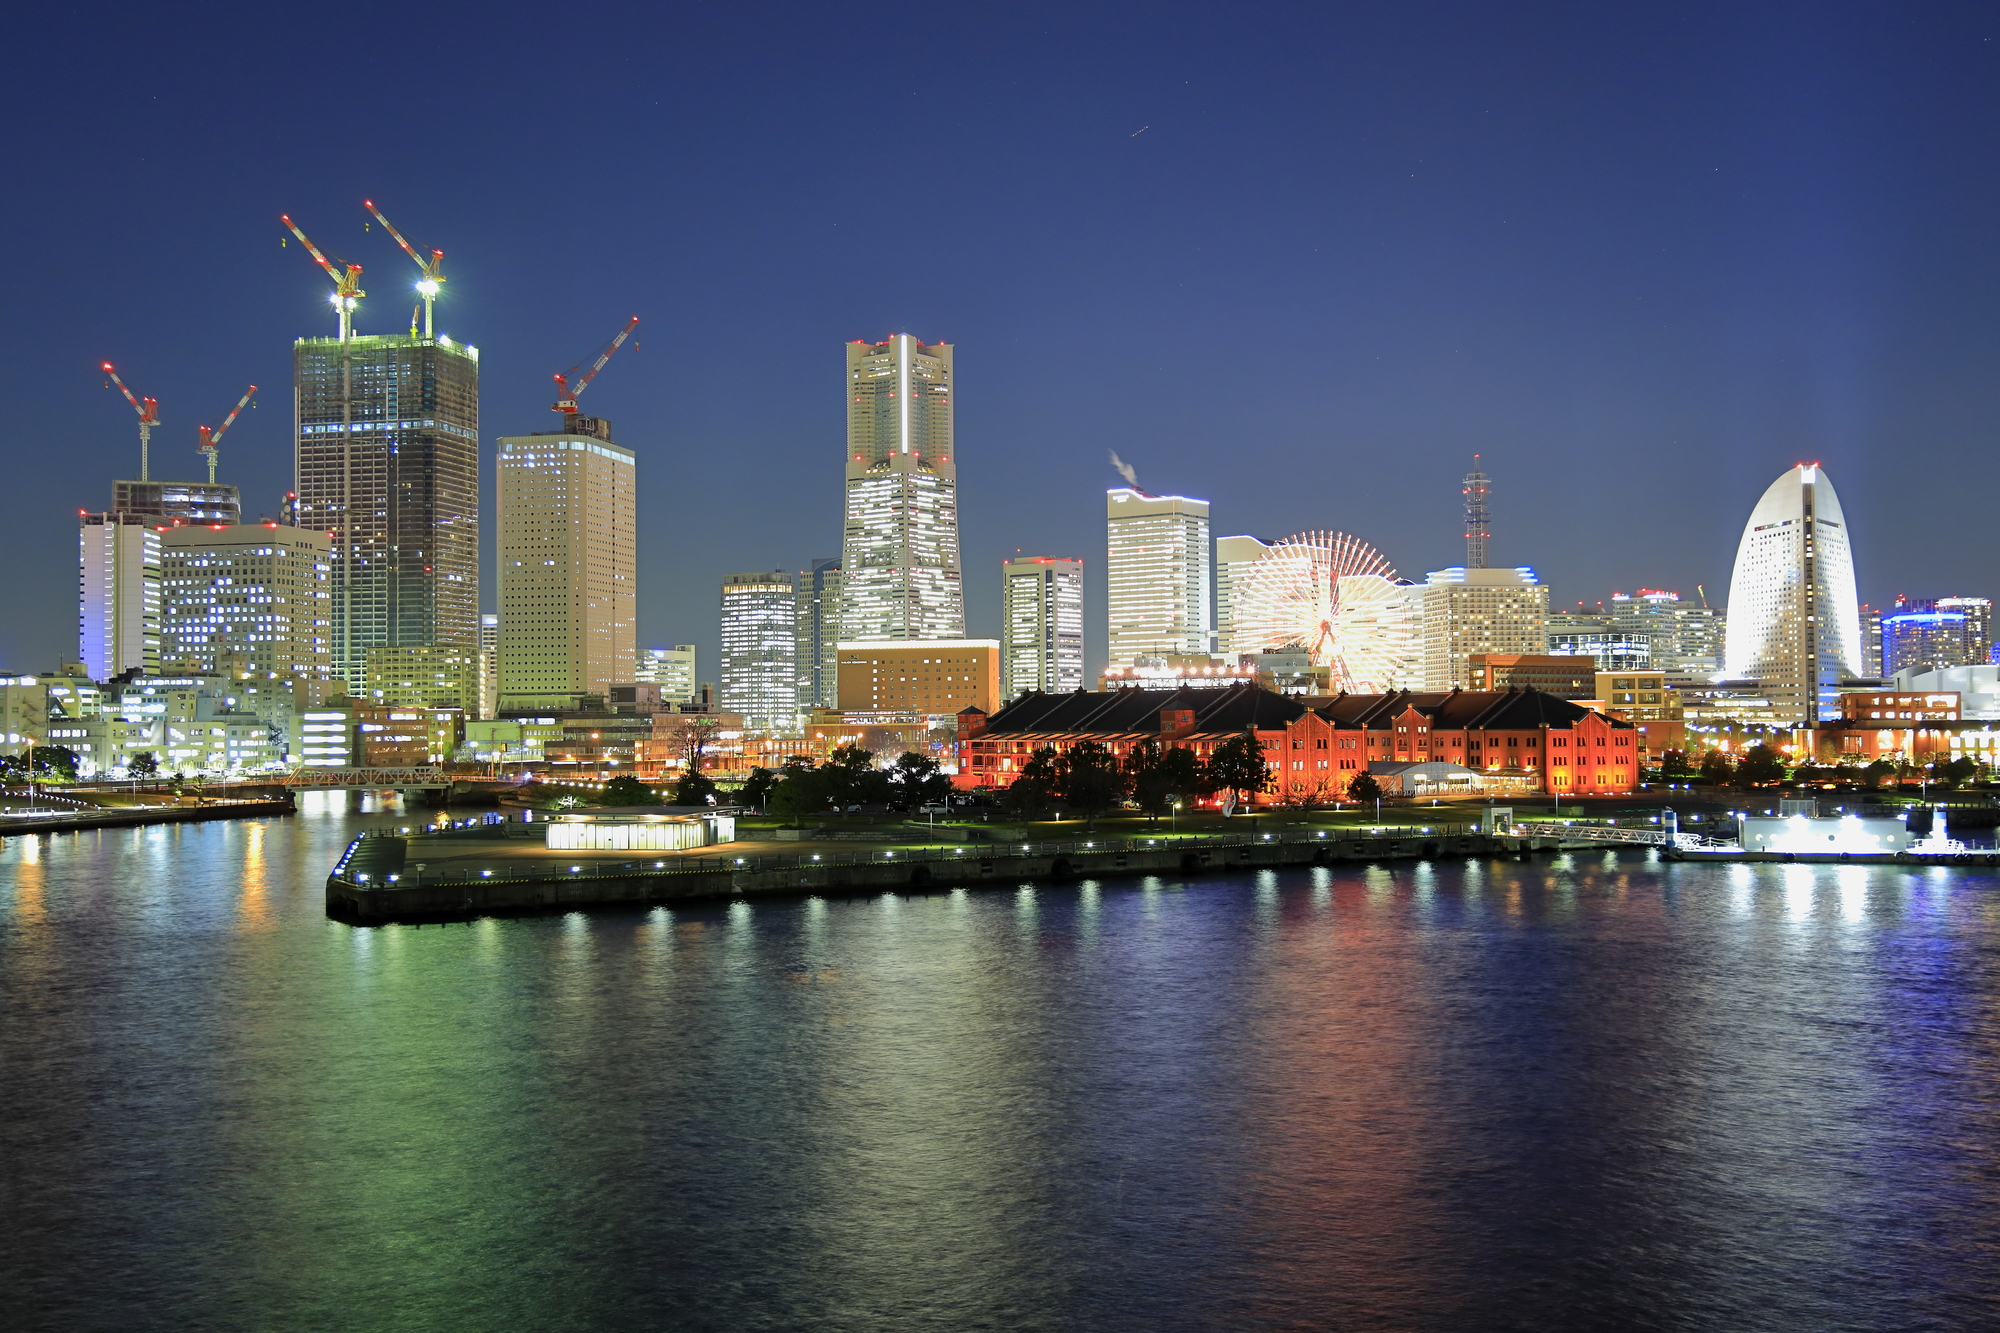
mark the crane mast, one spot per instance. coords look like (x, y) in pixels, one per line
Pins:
(210, 439)
(432, 279)
(149, 417)
(347, 291)
(567, 393)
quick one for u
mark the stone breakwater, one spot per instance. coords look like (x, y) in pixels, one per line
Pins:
(459, 894)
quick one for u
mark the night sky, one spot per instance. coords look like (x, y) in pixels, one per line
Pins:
(1301, 261)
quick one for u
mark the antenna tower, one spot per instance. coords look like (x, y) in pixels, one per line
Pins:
(1478, 527)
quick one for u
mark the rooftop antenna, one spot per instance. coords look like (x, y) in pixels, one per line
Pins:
(1477, 525)
(211, 438)
(432, 269)
(149, 417)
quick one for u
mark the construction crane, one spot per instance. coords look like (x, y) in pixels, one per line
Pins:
(432, 269)
(347, 291)
(211, 438)
(149, 417)
(568, 393)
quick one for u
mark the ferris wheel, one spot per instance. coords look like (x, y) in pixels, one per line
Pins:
(1333, 596)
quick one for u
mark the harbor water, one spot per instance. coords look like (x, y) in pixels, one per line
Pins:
(1582, 1092)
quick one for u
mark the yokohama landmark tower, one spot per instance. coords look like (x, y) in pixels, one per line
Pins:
(899, 557)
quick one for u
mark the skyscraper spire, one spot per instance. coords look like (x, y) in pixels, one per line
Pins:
(1477, 526)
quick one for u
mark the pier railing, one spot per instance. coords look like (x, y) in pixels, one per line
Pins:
(680, 863)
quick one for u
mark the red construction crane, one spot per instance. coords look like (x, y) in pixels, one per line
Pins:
(347, 291)
(432, 269)
(568, 393)
(149, 417)
(211, 438)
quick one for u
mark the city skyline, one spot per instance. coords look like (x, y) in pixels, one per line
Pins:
(1665, 309)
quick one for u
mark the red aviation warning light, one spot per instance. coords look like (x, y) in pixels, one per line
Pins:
(149, 417)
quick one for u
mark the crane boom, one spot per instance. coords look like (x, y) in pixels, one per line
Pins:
(210, 439)
(346, 286)
(149, 417)
(568, 393)
(432, 269)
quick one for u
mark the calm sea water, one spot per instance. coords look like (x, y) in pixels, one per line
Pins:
(1598, 1093)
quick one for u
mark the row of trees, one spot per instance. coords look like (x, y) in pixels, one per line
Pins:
(1765, 764)
(1089, 779)
(848, 776)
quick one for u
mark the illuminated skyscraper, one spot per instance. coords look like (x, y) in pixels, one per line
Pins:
(1794, 627)
(568, 566)
(819, 635)
(247, 601)
(760, 650)
(1157, 561)
(388, 463)
(1233, 556)
(118, 603)
(1459, 612)
(1041, 626)
(899, 562)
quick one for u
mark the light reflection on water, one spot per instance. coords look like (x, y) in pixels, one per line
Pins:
(1591, 1091)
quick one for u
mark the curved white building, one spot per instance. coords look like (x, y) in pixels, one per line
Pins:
(1794, 619)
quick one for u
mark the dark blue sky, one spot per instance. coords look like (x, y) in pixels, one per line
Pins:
(1643, 258)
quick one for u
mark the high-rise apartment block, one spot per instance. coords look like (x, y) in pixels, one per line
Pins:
(1157, 563)
(1041, 626)
(1794, 620)
(1233, 558)
(819, 634)
(760, 650)
(1935, 633)
(1467, 611)
(168, 503)
(900, 576)
(248, 601)
(118, 594)
(388, 463)
(672, 669)
(568, 567)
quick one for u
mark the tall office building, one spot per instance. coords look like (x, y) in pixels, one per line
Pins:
(760, 650)
(1794, 620)
(1593, 634)
(1467, 611)
(672, 669)
(167, 503)
(568, 565)
(1041, 625)
(1935, 633)
(900, 575)
(118, 595)
(248, 601)
(1233, 558)
(430, 677)
(1682, 638)
(388, 463)
(819, 634)
(1157, 563)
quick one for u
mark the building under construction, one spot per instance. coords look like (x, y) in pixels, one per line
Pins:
(388, 464)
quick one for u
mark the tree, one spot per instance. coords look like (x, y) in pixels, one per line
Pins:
(853, 778)
(1364, 788)
(627, 790)
(799, 789)
(144, 764)
(1674, 764)
(691, 736)
(56, 761)
(1159, 775)
(1715, 766)
(1878, 772)
(757, 788)
(1089, 779)
(1238, 765)
(1033, 790)
(1761, 763)
(918, 778)
(1959, 771)
(693, 789)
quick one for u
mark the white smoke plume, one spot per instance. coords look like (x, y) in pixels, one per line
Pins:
(1125, 470)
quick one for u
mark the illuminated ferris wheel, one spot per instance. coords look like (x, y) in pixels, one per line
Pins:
(1333, 596)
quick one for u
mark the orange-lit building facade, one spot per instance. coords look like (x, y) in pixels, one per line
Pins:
(1315, 752)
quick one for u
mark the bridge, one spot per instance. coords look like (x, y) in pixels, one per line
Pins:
(1629, 837)
(362, 779)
